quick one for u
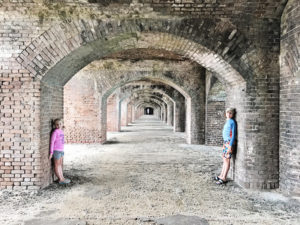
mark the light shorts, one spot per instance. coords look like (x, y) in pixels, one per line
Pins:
(58, 154)
(225, 150)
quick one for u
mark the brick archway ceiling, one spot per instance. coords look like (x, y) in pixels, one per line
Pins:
(255, 8)
(213, 43)
(150, 86)
(149, 101)
(169, 78)
(148, 97)
(147, 104)
(148, 93)
(146, 53)
(145, 98)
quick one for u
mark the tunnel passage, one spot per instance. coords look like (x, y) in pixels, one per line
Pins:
(237, 51)
(148, 111)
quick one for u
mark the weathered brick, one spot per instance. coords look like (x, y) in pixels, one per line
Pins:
(242, 51)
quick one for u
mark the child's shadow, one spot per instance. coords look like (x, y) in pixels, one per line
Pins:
(235, 149)
(52, 161)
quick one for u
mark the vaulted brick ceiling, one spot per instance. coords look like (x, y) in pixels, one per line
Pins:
(146, 53)
(202, 8)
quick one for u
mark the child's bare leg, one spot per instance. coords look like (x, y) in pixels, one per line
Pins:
(61, 170)
(223, 168)
(57, 170)
(62, 163)
(227, 167)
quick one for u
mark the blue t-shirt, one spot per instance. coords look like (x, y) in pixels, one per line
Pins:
(229, 131)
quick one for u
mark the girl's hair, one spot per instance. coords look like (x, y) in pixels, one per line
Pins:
(56, 121)
(232, 110)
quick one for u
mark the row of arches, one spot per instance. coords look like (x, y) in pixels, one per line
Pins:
(63, 50)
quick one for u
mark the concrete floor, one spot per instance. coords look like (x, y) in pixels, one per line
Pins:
(145, 174)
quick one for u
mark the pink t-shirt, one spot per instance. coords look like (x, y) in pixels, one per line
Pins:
(57, 141)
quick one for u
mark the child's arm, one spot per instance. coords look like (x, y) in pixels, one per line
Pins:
(233, 131)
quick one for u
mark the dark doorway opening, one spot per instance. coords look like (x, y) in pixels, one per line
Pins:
(148, 111)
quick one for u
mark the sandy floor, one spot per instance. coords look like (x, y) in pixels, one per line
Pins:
(142, 175)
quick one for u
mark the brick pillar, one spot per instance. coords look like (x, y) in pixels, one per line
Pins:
(124, 111)
(195, 125)
(129, 113)
(165, 107)
(157, 113)
(51, 107)
(179, 116)
(133, 109)
(195, 121)
(113, 113)
(141, 112)
(289, 151)
(255, 164)
(170, 109)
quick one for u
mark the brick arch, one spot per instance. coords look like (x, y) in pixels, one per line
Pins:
(154, 98)
(154, 105)
(169, 103)
(217, 45)
(130, 77)
(140, 102)
(173, 82)
(156, 94)
(177, 117)
(148, 91)
(167, 90)
(63, 50)
(143, 98)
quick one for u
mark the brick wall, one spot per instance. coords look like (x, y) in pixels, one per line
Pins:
(215, 110)
(113, 113)
(215, 120)
(124, 111)
(129, 112)
(82, 113)
(110, 73)
(39, 42)
(215, 8)
(290, 99)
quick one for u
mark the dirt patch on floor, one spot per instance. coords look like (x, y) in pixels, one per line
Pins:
(142, 177)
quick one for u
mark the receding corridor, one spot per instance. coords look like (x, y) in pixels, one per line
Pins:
(142, 175)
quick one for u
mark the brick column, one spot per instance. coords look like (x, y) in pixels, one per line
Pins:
(195, 123)
(51, 107)
(179, 118)
(165, 108)
(170, 109)
(156, 112)
(124, 115)
(289, 149)
(129, 113)
(113, 113)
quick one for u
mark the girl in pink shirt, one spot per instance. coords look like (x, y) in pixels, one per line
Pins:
(57, 151)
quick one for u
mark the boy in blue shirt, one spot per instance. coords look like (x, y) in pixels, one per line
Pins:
(229, 135)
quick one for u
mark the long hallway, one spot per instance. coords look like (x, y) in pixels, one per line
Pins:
(145, 174)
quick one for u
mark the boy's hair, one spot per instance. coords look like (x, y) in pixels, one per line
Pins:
(232, 110)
